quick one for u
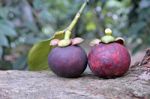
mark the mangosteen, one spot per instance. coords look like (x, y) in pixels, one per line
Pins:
(70, 61)
(67, 59)
(109, 57)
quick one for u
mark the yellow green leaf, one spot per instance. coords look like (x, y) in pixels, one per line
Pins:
(38, 55)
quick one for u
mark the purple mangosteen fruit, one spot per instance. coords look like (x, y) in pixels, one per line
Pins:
(109, 57)
(70, 61)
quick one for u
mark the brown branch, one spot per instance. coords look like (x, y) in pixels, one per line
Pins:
(146, 58)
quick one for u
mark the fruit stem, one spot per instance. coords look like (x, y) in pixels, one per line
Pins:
(67, 35)
(75, 20)
(108, 31)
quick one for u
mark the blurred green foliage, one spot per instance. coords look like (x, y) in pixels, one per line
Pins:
(24, 22)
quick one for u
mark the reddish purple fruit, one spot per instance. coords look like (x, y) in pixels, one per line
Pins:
(70, 61)
(109, 60)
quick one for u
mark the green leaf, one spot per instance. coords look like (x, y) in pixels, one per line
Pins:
(4, 12)
(7, 29)
(1, 52)
(3, 40)
(38, 55)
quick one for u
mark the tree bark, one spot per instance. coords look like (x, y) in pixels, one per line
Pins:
(135, 84)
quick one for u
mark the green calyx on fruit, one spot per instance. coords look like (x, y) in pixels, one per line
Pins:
(68, 31)
(77, 41)
(95, 42)
(64, 43)
(107, 38)
(120, 40)
(54, 42)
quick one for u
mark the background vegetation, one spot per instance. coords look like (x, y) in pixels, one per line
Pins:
(24, 22)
